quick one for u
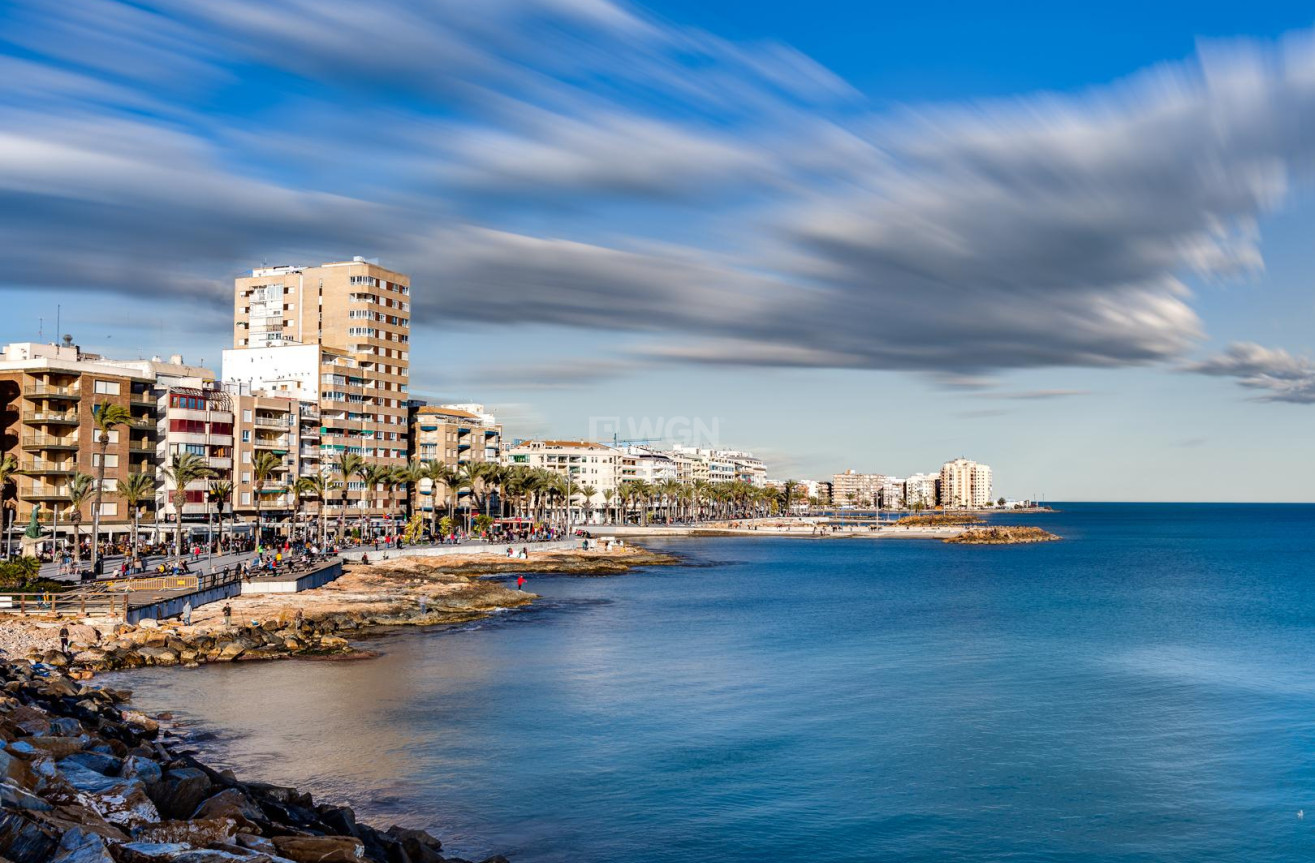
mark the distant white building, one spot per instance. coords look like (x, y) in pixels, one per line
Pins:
(965, 484)
(920, 490)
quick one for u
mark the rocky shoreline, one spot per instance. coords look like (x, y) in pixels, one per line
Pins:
(86, 779)
(1020, 535)
(405, 591)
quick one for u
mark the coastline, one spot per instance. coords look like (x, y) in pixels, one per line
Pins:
(318, 623)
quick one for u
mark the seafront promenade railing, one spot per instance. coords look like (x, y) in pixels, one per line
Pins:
(63, 605)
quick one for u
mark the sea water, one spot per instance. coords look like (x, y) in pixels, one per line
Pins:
(1142, 691)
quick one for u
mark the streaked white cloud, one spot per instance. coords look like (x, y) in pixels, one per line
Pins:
(1272, 373)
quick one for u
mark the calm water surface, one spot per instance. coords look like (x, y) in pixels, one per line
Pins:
(1143, 691)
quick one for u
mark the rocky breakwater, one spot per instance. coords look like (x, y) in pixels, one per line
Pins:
(1003, 536)
(116, 647)
(86, 779)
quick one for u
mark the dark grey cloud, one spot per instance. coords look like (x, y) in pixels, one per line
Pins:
(1272, 373)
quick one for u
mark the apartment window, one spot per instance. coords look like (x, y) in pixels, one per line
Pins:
(107, 388)
(246, 476)
(246, 498)
(110, 485)
(193, 448)
(246, 434)
(111, 459)
(246, 416)
(109, 508)
(246, 456)
(114, 436)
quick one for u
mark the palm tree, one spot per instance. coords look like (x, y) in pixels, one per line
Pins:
(587, 493)
(318, 486)
(788, 488)
(107, 416)
(221, 491)
(8, 467)
(185, 469)
(264, 467)
(373, 475)
(347, 466)
(81, 488)
(437, 473)
(608, 494)
(303, 487)
(136, 489)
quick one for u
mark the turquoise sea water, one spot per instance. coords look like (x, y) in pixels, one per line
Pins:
(1142, 691)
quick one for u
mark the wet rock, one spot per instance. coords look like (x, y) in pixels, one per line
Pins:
(197, 831)
(420, 847)
(233, 804)
(82, 846)
(150, 852)
(106, 765)
(140, 720)
(58, 747)
(119, 801)
(180, 791)
(25, 841)
(320, 849)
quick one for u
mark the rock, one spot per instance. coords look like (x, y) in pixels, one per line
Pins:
(25, 841)
(20, 798)
(230, 651)
(119, 801)
(81, 633)
(333, 642)
(256, 843)
(231, 803)
(199, 831)
(150, 852)
(141, 720)
(66, 726)
(82, 846)
(214, 855)
(106, 765)
(149, 623)
(181, 791)
(58, 747)
(143, 768)
(30, 720)
(419, 846)
(339, 819)
(320, 849)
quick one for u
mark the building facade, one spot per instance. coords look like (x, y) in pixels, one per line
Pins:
(338, 337)
(852, 488)
(965, 484)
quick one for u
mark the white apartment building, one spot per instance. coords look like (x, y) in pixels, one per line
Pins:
(920, 490)
(891, 494)
(852, 488)
(650, 466)
(965, 484)
(585, 462)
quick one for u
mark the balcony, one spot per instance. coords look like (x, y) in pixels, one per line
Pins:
(47, 391)
(271, 423)
(50, 417)
(47, 467)
(141, 446)
(142, 423)
(142, 400)
(39, 492)
(276, 444)
(45, 441)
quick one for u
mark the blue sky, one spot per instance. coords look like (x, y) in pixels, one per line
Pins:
(1071, 243)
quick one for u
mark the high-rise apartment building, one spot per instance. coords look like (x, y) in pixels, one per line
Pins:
(48, 393)
(454, 435)
(852, 488)
(336, 336)
(965, 484)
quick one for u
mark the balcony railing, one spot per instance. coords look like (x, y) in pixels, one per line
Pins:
(271, 423)
(139, 446)
(48, 391)
(45, 441)
(43, 492)
(141, 399)
(48, 467)
(60, 417)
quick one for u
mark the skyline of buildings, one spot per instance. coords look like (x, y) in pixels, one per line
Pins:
(320, 368)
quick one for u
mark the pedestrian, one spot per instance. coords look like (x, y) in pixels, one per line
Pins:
(298, 618)
(187, 613)
(520, 582)
(228, 616)
(424, 603)
(63, 639)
